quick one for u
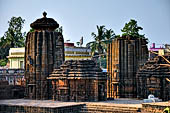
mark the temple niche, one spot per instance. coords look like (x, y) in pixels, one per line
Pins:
(78, 80)
(44, 52)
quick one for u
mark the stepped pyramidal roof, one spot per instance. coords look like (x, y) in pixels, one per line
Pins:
(157, 66)
(78, 69)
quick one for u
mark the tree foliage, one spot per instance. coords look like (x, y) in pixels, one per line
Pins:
(109, 36)
(13, 37)
(101, 39)
(99, 45)
(32, 30)
(132, 29)
(104, 36)
(59, 29)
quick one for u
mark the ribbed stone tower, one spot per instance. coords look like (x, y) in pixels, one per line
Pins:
(124, 57)
(44, 52)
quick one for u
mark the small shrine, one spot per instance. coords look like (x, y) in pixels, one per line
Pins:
(153, 78)
(78, 80)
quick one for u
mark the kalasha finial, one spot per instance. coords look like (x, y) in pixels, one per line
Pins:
(44, 14)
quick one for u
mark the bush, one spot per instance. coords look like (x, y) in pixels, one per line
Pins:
(3, 62)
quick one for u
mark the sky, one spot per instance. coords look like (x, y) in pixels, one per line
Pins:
(80, 17)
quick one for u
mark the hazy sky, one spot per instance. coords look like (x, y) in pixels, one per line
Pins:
(80, 17)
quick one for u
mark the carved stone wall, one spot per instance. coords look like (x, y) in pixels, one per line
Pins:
(152, 79)
(125, 56)
(44, 52)
(78, 80)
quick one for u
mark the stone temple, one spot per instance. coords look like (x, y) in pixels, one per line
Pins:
(153, 78)
(125, 55)
(78, 80)
(49, 77)
(44, 52)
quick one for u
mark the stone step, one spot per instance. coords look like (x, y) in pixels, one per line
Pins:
(109, 105)
(101, 107)
(91, 108)
(105, 112)
(108, 110)
(89, 105)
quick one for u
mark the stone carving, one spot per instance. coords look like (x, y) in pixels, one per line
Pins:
(125, 55)
(152, 78)
(44, 52)
(78, 80)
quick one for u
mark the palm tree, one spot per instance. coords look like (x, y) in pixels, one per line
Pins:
(97, 45)
(109, 36)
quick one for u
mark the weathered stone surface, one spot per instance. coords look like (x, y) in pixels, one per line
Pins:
(11, 91)
(125, 56)
(44, 106)
(74, 81)
(44, 52)
(157, 107)
(152, 78)
(36, 109)
(78, 80)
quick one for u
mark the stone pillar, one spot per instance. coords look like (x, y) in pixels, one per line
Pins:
(96, 95)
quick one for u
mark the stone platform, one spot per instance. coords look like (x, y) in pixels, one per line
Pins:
(44, 106)
(38, 106)
(50, 106)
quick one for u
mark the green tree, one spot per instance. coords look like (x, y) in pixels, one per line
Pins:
(132, 29)
(59, 29)
(97, 44)
(13, 37)
(109, 36)
(32, 30)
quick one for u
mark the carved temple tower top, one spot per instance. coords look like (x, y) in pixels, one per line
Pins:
(45, 23)
(44, 52)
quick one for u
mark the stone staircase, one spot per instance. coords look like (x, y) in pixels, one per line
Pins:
(93, 108)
